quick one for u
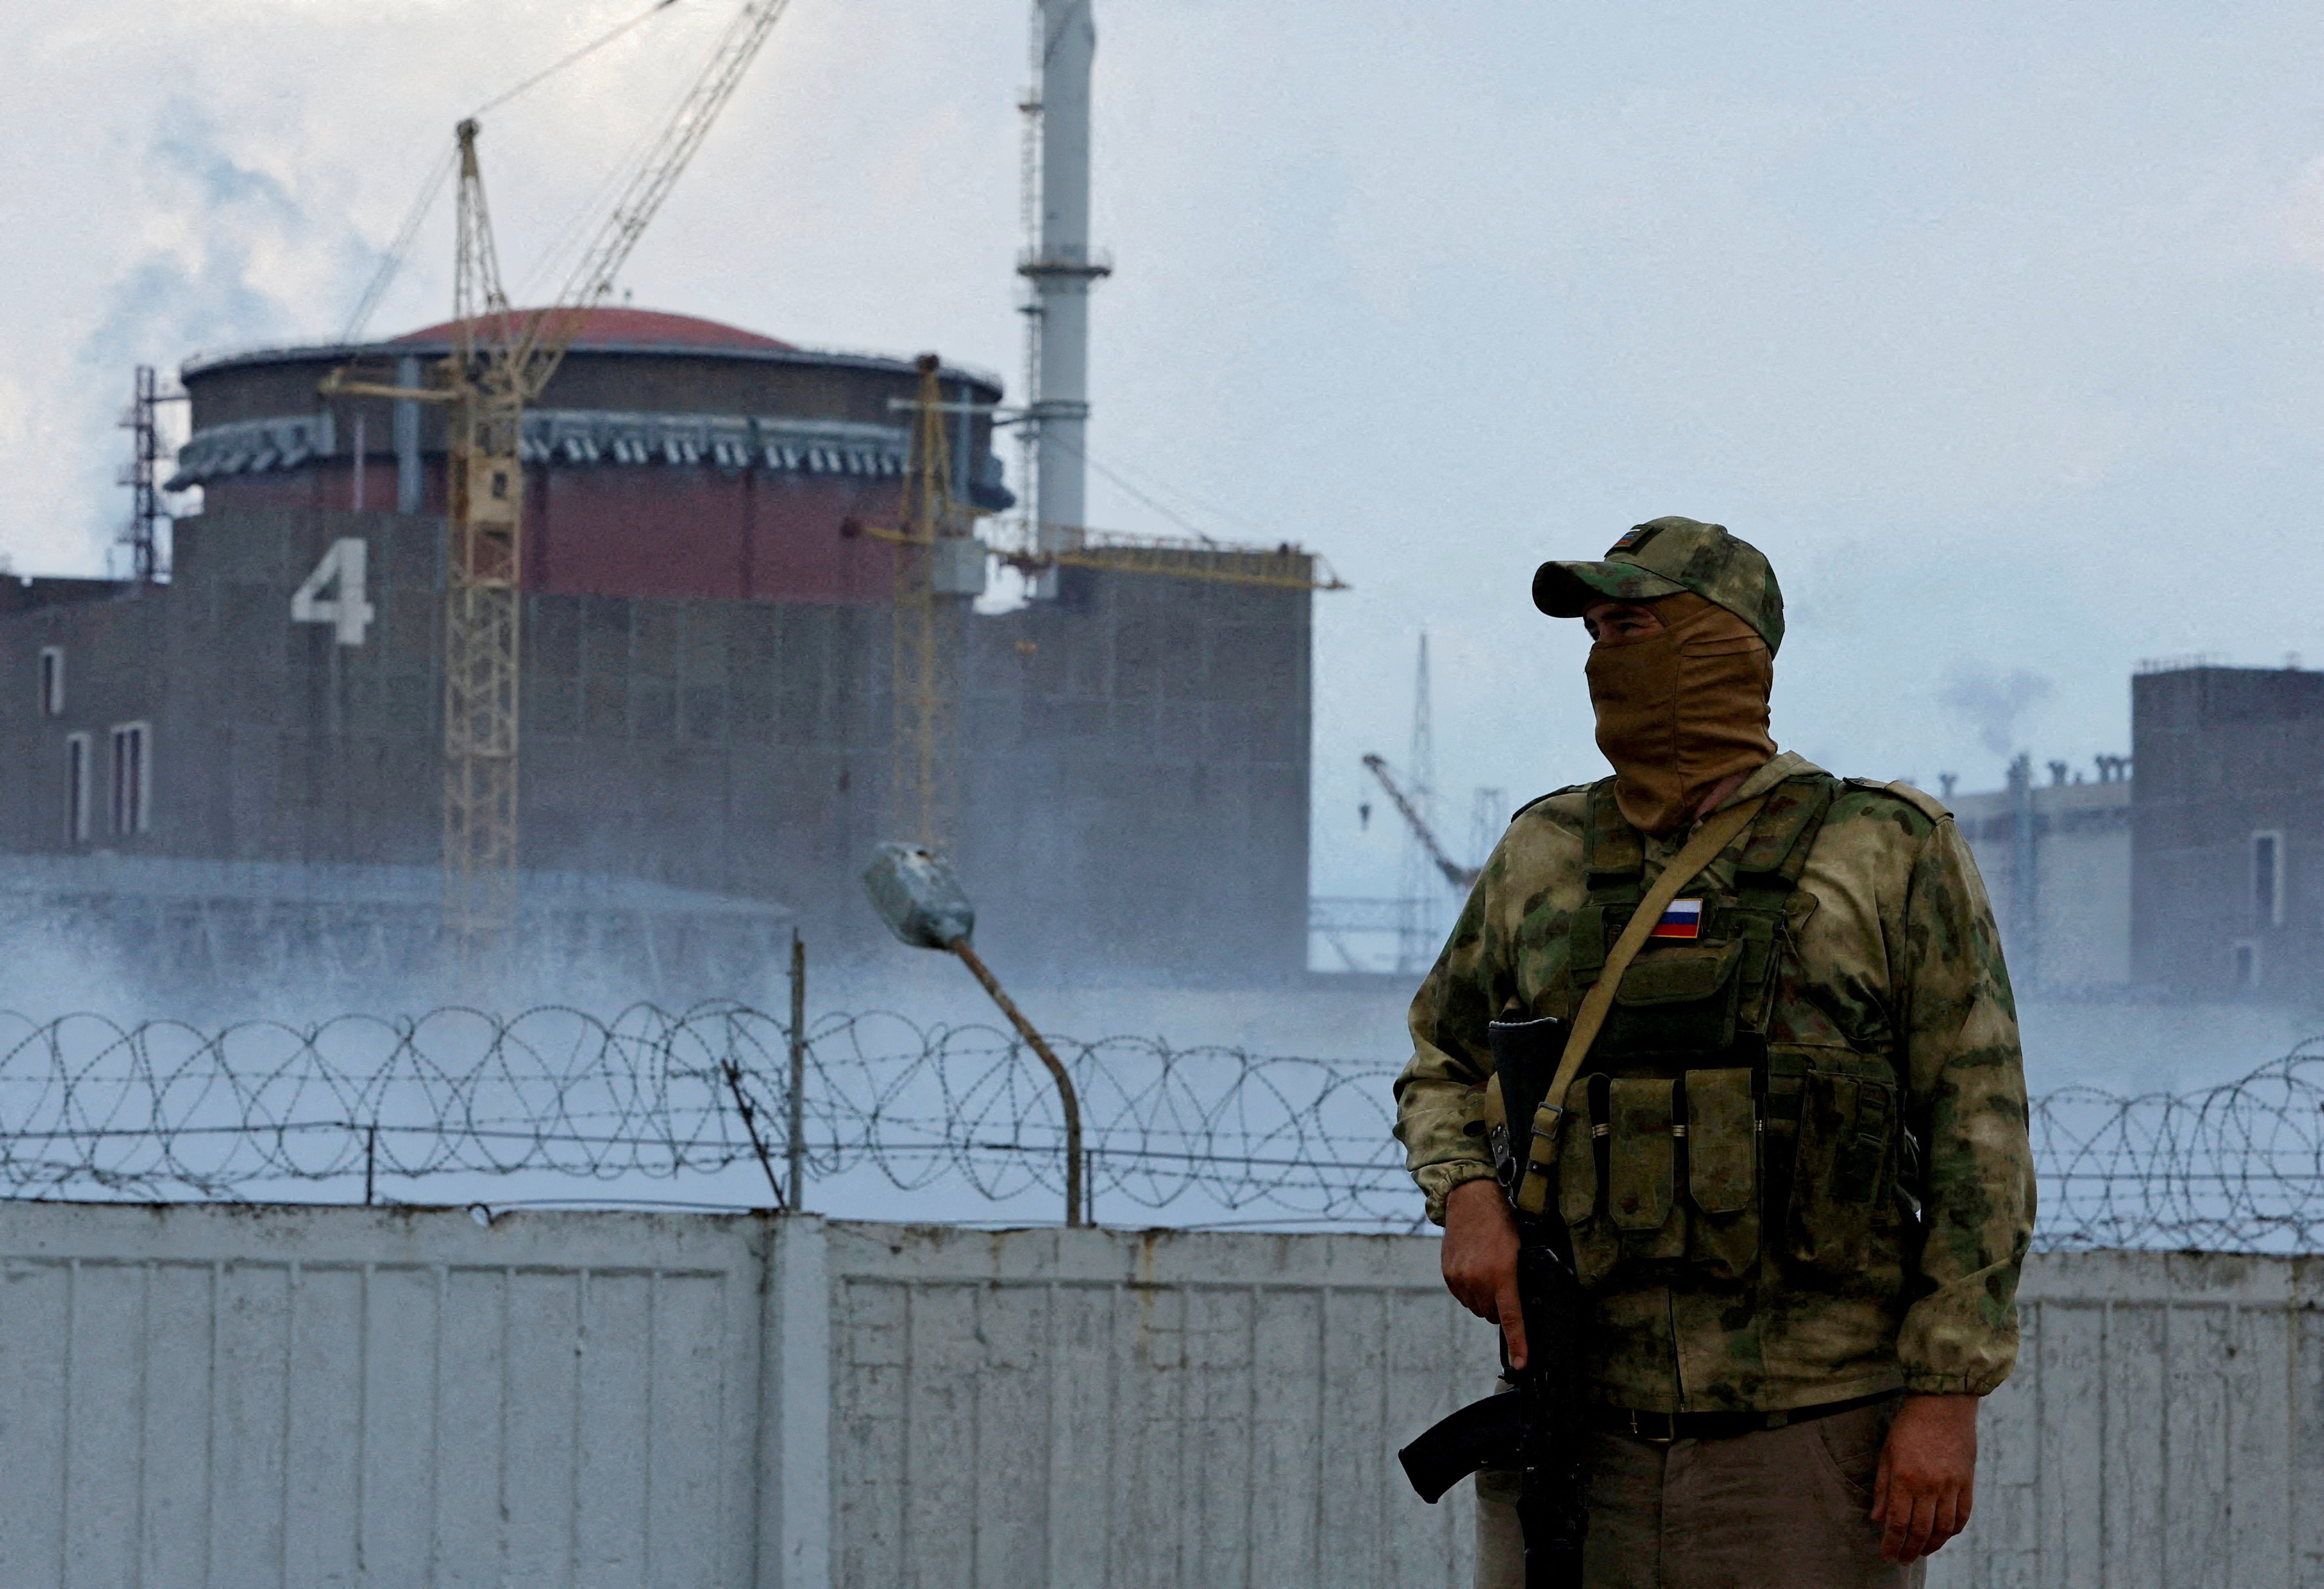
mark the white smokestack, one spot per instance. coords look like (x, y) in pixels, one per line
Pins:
(1061, 268)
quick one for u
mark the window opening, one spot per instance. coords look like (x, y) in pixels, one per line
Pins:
(2267, 879)
(52, 681)
(133, 778)
(2243, 962)
(77, 782)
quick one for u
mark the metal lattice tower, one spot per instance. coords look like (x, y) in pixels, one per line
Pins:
(1416, 884)
(1489, 816)
(142, 535)
(483, 613)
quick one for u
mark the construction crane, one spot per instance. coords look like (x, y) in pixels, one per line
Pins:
(1461, 878)
(940, 565)
(502, 360)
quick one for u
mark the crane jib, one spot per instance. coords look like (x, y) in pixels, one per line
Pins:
(500, 363)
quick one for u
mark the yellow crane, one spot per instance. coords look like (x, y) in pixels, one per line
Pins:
(940, 568)
(940, 565)
(502, 360)
(1283, 566)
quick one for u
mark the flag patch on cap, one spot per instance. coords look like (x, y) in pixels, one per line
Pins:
(1683, 918)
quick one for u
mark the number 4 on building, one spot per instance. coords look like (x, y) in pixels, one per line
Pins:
(341, 572)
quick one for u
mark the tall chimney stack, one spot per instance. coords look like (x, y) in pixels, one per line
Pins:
(1060, 266)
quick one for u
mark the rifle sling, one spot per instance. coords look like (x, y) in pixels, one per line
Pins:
(1717, 830)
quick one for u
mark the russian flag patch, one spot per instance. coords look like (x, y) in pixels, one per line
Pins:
(1683, 918)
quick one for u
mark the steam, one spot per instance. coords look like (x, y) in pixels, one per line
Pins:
(231, 249)
(1992, 703)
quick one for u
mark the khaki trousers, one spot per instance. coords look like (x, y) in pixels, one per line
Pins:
(1781, 1509)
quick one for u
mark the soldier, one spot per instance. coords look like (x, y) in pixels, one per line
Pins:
(1794, 1169)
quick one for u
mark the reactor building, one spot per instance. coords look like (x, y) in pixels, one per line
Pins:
(237, 772)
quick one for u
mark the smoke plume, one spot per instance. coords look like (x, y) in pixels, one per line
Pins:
(1990, 702)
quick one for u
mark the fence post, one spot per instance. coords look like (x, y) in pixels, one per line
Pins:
(795, 1422)
(797, 1138)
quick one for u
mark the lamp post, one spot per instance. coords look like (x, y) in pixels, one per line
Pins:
(920, 896)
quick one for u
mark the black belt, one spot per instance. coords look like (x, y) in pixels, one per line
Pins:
(1718, 1426)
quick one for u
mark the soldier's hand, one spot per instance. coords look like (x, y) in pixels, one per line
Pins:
(1928, 1475)
(1481, 1259)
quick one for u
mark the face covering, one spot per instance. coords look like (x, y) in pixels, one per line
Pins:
(1681, 712)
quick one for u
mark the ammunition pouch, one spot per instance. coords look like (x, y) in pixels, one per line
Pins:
(1692, 1172)
(1710, 1149)
(1671, 1176)
(1846, 1136)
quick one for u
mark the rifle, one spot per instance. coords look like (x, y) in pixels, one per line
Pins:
(1535, 1426)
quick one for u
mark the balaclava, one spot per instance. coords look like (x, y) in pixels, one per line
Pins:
(1683, 710)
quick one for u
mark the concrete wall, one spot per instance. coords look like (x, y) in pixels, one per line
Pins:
(1139, 779)
(2165, 1429)
(299, 1397)
(213, 1396)
(730, 747)
(763, 523)
(1131, 1411)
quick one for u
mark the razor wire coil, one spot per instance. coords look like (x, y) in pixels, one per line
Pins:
(164, 1111)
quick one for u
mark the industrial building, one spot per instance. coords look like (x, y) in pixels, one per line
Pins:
(2055, 855)
(2228, 827)
(2195, 880)
(705, 687)
(612, 641)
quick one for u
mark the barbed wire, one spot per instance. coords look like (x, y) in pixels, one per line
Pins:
(163, 1110)
(2235, 1168)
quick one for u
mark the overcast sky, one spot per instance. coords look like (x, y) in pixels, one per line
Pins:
(1996, 327)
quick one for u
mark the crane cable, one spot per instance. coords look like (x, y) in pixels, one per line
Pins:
(397, 251)
(433, 187)
(557, 258)
(589, 49)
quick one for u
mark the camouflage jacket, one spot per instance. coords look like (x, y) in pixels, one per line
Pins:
(1889, 1034)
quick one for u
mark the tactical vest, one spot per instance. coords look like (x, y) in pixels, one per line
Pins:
(1688, 1135)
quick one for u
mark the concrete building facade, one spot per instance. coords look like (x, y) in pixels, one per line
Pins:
(2056, 860)
(705, 668)
(2227, 830)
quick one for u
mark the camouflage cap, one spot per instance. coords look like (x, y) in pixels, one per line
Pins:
(1663, 556)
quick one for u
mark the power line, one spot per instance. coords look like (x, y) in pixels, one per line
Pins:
(1188, 525)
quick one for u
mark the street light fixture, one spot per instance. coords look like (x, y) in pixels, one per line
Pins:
(920, 896)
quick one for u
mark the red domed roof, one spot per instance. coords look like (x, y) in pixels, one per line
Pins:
(606, 327)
